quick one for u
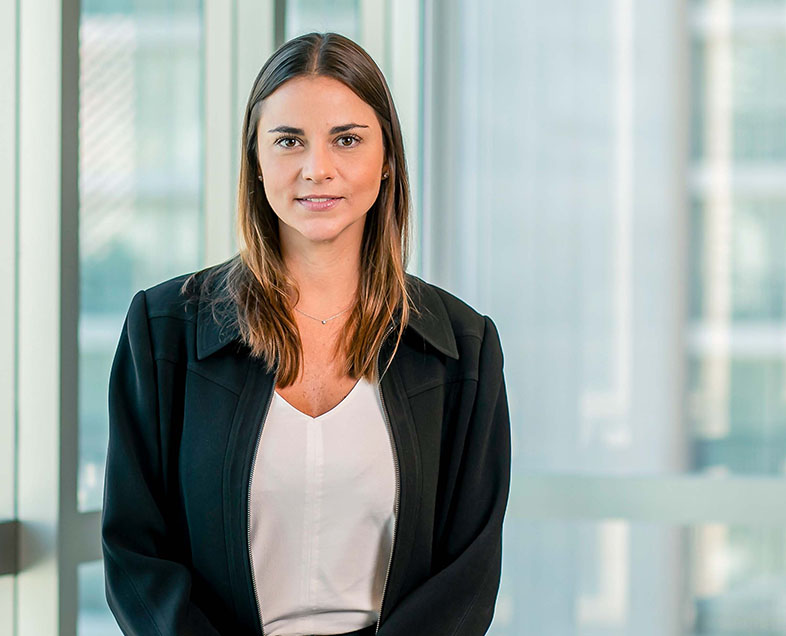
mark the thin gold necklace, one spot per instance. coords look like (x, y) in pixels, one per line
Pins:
(326, 319)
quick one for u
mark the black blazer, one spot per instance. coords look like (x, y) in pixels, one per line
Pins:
(186, 408)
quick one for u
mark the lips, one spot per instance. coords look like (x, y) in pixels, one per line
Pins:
(326, 204)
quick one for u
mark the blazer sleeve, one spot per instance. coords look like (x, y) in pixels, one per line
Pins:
(147, 590)
(459, 597)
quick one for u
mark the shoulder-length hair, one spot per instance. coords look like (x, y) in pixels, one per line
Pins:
(254, 284)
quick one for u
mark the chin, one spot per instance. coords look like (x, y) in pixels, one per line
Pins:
(321, 234)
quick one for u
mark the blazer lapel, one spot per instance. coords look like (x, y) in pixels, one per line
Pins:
(214, 333)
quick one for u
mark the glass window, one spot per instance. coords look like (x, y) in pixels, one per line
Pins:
(615, 578)
(140, 187)
(7, 603)
(94, 617)
(609, 189)
(340, 16)
(736, 401)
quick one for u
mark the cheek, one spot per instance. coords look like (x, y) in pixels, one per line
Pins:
(272, 167)
(367, 175)
(367, 190)
(274, 192)
(274, 181)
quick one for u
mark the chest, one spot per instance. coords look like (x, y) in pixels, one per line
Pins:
(321, 385)
(317, 394)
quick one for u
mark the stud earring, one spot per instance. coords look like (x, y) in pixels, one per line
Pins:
(385, 175)
(259, 176)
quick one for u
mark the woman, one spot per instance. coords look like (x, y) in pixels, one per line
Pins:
(265, 474)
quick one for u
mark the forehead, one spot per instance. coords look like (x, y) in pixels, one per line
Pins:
(314, 102)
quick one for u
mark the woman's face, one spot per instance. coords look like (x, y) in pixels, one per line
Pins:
(316, 137)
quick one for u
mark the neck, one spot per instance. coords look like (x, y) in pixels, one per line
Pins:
(327, 276)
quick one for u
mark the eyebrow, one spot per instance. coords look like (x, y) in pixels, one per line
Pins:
(300, 131)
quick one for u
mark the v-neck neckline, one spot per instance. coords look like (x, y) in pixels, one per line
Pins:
(326, 413)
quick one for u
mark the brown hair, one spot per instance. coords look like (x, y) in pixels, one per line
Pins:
(255, 285)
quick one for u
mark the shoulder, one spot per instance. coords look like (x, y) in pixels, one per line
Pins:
(167, 299)
(178, 297)
(464, 319)
(165, 314)
(456, 319)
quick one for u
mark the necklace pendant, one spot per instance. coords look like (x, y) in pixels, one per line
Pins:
(324, 322)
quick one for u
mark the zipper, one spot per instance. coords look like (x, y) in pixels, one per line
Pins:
(250, 478)
(398, 488)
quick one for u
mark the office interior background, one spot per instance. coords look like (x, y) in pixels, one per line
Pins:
(605, 178)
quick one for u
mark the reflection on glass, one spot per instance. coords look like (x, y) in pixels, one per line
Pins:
(340, 16)
(741, 429)
(613, 578)
(140, 183)
(94, 617)
(736, 390)
(623, 227)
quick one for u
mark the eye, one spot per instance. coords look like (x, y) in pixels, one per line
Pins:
(351, 137)
(285, 139)
(282, 141)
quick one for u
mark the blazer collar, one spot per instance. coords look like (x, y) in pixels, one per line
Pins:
(433, 324)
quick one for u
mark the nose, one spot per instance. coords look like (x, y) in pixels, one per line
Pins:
(318, 165)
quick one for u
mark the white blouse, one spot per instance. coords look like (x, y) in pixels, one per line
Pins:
(322, 514)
